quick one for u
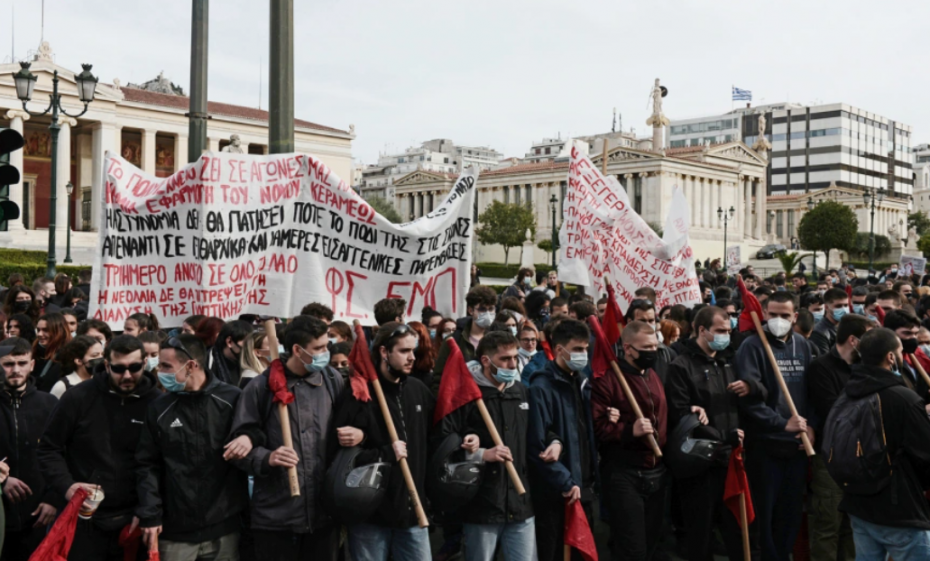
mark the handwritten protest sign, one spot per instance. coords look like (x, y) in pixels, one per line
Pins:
(237, 234)
(912, 265)
(602, 235)
(734, 262)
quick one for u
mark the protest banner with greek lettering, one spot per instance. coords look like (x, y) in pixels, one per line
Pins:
(601, 235)
(237, 234)
(912, 265)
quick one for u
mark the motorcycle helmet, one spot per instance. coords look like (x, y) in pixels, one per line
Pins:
(693, 448)
(352, 492)
(452, 479)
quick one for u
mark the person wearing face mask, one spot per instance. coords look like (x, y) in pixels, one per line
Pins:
(527, 339)
(481, 301)
(923, 340)
(151, 342)
(835, 306)
(30, 505)
(775, 460)
(497, 515)
(560, 436)
(906, 326)
(521, 286)
(197, 507)
(830, 534)
(255, 357)
(286, 528)
(645, 311)
(339, 359)
(79, 359)
(702, 381)
(90, 441)
(226, 352)
(393, 528)
(859, 295)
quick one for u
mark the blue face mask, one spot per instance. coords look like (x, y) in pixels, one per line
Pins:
(504, 375)
(280, 350)
(925, 349)
(734, 322)
(859, 309)
(528, 282)
(484, 319)
(513, 331)
(432, 333)
(817, 315)
(332, 341)
(318, 363)
(577, 361)
(873, 318)
(839, 313)
(720, 342)
(170, 382)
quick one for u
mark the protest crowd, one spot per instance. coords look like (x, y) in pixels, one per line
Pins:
(505, 433)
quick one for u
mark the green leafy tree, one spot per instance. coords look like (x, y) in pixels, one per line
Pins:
(385, 209)
(829, 225)
(923, 244)
(861, 249)
(790, 261)
(505, 225)
(545, 245)
(919, 221)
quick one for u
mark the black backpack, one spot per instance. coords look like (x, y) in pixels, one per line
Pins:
(855, 446)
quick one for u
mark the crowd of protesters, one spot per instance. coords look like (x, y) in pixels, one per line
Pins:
(173, 432)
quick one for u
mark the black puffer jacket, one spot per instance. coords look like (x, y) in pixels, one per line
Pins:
(694, 378)
(92, 437)
(24, 417)
(184, 483)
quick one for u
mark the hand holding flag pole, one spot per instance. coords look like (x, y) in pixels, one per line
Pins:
(278, 385)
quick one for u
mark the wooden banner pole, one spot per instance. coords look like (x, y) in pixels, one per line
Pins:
(293, 482)
(496, 437)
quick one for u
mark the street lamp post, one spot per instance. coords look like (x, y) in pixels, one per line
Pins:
(553, 204)
(725, 217)
(25, 84)
(70, 188)
(810, 206)
(868, 197)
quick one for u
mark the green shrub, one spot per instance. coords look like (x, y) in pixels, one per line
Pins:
(877, 265)
(30, 264)
(501, 271)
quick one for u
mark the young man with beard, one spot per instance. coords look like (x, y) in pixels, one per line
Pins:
(393, 529)
(30, 505)
(90, 441)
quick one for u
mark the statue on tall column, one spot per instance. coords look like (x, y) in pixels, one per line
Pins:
(658, 119)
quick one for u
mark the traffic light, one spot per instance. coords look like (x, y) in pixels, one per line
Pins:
(10, 141)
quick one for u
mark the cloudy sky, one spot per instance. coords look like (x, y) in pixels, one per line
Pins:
(508, 73)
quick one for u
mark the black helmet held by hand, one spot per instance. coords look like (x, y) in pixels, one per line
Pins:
(693, 448)
(353, 492)
(451, 479)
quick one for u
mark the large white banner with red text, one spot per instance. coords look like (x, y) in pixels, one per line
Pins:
(239, 234)
(601, 235)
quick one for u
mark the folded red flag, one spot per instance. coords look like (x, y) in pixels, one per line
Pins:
(57, 543)
(849, 296)
(880, 313)
(547, 349)
(613, 317)
(363, 371)
(737, 485)
(457, 387)
(750, 304)
(603, 350)
(277, 383)
(577, 531)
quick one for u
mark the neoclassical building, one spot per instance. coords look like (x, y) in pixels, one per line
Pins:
(712, 176)
(146, 126)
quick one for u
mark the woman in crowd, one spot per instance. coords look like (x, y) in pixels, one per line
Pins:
(208, 329)
(190, 324)
(670, 331)
(62, 286)
(340, 332)
(255, 356)
(527, 339)
(521, 286)
(444, 330)
(52, 335)
(21, 325)
(21, 300)
(537, 308)
(425, 354)
(516, 306)
(431, 319)
(507, 319)
(97, 329)
(339, 359)
(151, 342)
(78, 360)
(71, 318)
(137, 324)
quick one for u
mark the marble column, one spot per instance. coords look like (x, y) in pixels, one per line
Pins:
(180, 151)
(64, 175)
(148, 151)
(747, 204)
(17, 117)
(715, 203)
(760, 208)
(737, 205)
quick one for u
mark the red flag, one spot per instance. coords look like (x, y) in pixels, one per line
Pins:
(277, 383)
(57, 543)
(363, 371)
(578, 532)
(547, 349)
(849, 296)
(603, 351)
(457, 387)
(737, 485)
(880, 313)
(613, 317)
(750, 304)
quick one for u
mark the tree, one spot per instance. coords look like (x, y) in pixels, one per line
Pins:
(923, 244)
(861, 248)
(919, 221)
(505, 225)
(656, 227)
(829, 225)
(789, 261)
(385, 209)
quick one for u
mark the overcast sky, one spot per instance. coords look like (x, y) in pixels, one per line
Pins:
(508, 73)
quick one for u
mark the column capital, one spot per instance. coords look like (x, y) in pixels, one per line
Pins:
(64, 120)
(17, 114)
(628, 176)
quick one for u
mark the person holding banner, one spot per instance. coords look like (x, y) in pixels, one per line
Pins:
(393, 529)
(498, 515)
(286, 527)
(775, 460)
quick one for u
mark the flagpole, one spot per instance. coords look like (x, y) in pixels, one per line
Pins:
(285, 419)
(568, 553)
(744, 523)
(496, 437)
(920, 369)
(404, 467)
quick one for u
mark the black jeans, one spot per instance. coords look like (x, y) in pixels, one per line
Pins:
(550, 528)
(19, 545)
(636, 502)
(777, 484)
(321, 545)
(702, 503)
(94, 544)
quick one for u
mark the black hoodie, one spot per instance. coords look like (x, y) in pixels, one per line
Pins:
(907, 432)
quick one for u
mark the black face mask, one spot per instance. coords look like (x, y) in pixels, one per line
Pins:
(909, 345)
(20, 307)
(92, 364)
(646, 360)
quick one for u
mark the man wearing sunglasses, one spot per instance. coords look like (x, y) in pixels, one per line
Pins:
(90, 441)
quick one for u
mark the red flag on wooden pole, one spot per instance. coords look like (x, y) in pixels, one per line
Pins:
(577, 531)
(613, 317)
(603, 351)
(750, 304)
(363, 371)
(457, 387)
(737, 484)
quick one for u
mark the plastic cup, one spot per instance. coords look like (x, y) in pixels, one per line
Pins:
(90, 504)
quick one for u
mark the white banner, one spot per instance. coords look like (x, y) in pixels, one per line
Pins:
(239, 234)
(734, 263)
(602, 235)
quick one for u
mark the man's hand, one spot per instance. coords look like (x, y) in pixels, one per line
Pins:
(498, 454)
(741, 435)
(796, 423)
(283, 457)
(46, 514)
(349, 436)
(400, 450)
(642, 427)
(573, 494)
(552, 453)
(810, 435)
(471, 443)
(73, 489)
(740, 388)
(134, 524)
(613, 414)
(238, 448)
(702, 415)
(149, 534)
(16, 489)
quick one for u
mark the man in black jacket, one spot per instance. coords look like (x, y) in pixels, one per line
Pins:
(188, 492)
(497, 514)
(645, 311)
(393, 528)
(481, 302)
(224, 356)
(835, 306)
(894, 521)
(90, 441)
(30, 505)
(702, 381)
(830, 533)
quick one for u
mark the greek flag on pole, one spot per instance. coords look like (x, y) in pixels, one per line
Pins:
(739, 94)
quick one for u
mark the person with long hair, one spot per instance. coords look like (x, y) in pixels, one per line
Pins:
(207, 330)
(424, 353)
(255, 357)
(340, 332)
(537, 308)
(62, 286)
(2, 326)
(431, 319)
(98, 329)
(151, 343)
(78, 359)
(444, 330)
(21, 300)
(190, 324)
(21, 325)
(139, 323)
(51, 335)
(71, 318)
(516, 306)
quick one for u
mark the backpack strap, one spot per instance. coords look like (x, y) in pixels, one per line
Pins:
(48, 364)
